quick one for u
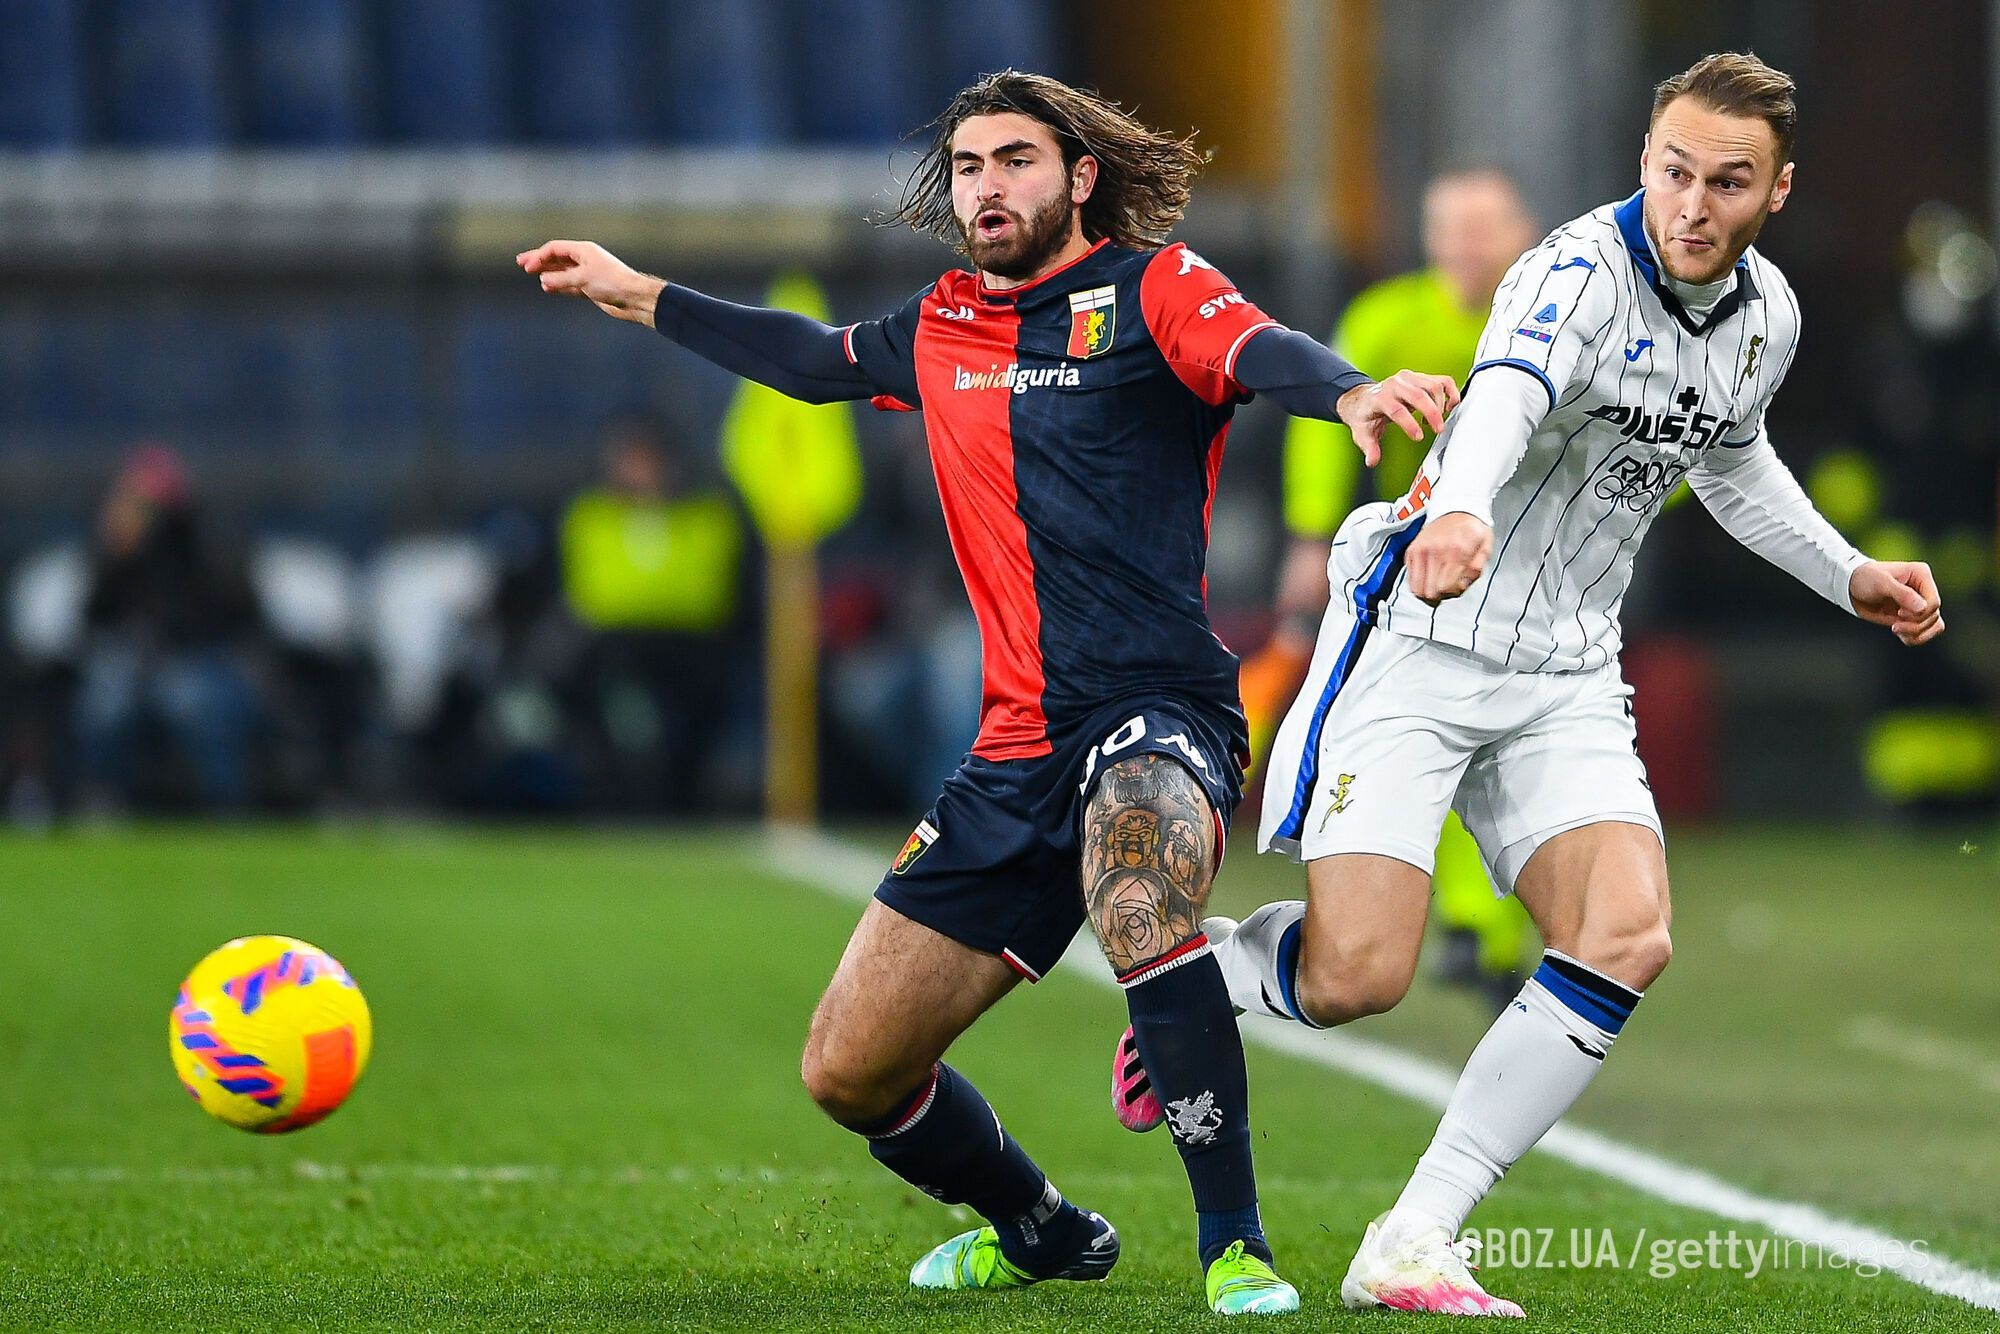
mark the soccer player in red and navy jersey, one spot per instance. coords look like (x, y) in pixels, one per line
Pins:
(1077, 386)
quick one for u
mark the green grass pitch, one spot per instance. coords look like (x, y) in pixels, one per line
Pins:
(584, 1113)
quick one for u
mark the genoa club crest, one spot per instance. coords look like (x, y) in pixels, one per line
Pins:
(1093, 321)
(919, 843)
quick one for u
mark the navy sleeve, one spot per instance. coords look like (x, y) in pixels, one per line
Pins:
(793, 354)
(1300, 374)
(885, 351)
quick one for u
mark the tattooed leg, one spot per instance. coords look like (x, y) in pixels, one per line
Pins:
(1149, 857)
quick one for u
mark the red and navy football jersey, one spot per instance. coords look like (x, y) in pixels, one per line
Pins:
(1076, 425)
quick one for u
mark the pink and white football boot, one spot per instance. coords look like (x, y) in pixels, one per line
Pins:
(1132, 1098)
(1409, 1264)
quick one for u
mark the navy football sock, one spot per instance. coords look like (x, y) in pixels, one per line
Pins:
(1186, 1031)
(948, 1143)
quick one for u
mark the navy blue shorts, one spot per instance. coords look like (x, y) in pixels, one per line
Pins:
(996, 864)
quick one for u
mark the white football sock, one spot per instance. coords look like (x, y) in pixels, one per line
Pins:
(1250, 959)
(1530, 1068)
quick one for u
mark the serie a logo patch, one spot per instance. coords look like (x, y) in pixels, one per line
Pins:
(1093, 321)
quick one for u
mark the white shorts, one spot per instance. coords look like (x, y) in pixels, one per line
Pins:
(1389, 732)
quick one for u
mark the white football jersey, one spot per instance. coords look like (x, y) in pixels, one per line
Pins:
(1641, 393)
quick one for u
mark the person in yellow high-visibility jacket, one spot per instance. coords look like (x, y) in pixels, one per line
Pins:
(1475, 226)
(658, 567)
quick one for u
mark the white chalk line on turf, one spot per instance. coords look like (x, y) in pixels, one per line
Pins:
(846, 871)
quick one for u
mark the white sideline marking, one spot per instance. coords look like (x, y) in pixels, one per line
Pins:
(813, 859)
(1880, 1035)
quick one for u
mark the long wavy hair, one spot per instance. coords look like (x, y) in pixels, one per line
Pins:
(1144, 176)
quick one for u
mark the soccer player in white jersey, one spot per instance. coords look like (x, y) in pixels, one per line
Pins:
(1469, 659)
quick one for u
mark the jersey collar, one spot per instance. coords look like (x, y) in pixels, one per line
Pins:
(1013, 294)
(1631, 219)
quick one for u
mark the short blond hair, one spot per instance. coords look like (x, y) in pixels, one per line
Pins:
(1737, 83)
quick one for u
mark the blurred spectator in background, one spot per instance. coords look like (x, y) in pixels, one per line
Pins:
(1925, 490)
(1475, 226)
(171, 625)
(655, 562)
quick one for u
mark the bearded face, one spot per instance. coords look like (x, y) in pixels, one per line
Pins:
(1014, 196)
(1008, 245)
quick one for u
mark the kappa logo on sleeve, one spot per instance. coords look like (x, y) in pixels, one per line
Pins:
(1191, 261)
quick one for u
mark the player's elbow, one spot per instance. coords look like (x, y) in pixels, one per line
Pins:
(812, 391)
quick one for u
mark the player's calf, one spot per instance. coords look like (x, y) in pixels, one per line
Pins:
(1353, 950)
(1338, 987)
(1599, 890)
(1599, 895)
(1148, 858)
(901, 995)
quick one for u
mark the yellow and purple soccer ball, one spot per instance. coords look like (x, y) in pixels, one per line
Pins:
(269, 1034)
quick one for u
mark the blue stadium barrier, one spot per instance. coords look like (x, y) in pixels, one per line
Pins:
(446, 73)
(853, 83)
(1001, 34)
(578, 70)
(721, 73)
(169, 77)
(308, 74)
(42, 101)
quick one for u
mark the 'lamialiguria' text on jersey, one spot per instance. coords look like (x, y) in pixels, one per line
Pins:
(1641, 393)
(1076, 425)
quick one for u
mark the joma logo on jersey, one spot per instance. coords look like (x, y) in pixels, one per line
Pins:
(1633, 482)
(1689, 428)
(1017, 378)
(1093, 321)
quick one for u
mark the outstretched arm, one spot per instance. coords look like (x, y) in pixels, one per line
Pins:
(794, 354)
(1308, 379)
(1754, 496)
(1488, 439)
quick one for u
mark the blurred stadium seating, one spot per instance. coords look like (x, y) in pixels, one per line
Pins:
(276, 234)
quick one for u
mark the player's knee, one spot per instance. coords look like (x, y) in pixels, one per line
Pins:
(851, 1092)
(1633, 950)
(1352, 988)
(1649, 954)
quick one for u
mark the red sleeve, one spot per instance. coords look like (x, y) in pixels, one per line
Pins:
(1199, 320)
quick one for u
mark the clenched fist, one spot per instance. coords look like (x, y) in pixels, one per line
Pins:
(1901, 595)
(1448, 556)
(588, 270)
